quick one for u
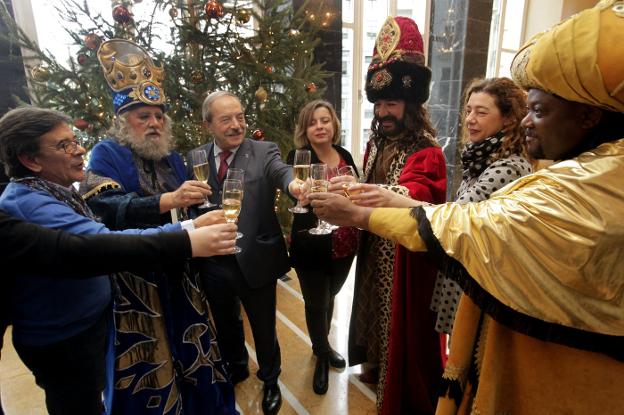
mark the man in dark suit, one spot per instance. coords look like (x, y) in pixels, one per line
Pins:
(249, 277)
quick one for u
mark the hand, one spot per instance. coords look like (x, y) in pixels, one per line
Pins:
(338, 184)
(191, 192)
(376, 196)
(338, 210)
(299, 191)
(210, 218)
(212, 240)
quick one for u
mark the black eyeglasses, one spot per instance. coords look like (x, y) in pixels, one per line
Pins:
(68, 146)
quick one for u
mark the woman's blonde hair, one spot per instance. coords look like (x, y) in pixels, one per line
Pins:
(305, 116)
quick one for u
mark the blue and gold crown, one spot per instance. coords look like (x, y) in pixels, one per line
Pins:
(131, 74)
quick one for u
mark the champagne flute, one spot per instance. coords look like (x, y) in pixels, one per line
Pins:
(301, 167)
(346, 185)
(331, 172)
(237, 174)
(232, 200)
(201, 170)
(320, 183)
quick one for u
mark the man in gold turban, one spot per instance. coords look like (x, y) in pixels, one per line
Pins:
(541, 327)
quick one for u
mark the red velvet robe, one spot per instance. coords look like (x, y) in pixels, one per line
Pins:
(414, 355)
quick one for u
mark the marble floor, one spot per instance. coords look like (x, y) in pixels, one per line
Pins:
(346, 394)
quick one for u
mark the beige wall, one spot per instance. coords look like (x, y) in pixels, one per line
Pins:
(574, 6)
(543, 14)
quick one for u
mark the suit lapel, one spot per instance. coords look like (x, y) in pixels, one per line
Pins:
(243, 155)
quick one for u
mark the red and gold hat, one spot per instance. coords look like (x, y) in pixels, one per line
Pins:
(397, 70)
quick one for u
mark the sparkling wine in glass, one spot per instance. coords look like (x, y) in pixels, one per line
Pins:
(301, 168)
(320, 183)
(232, 201)
(237, 174)
(201, 170)
(348, 184)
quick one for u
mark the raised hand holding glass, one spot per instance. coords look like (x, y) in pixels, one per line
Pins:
(232, 201)
(237, 174)
(301, 167)
(201, 170)
(320, 182)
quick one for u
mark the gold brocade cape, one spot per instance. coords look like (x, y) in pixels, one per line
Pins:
(544, 255)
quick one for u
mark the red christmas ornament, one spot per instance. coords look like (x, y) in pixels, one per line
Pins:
(258, 135)
(92, 41)
(268, 68)
(214, 9)
(310, 88)
(82, 58)
(81, 124)
(121, 14)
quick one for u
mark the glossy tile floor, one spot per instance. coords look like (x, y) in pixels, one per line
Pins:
(346, 394)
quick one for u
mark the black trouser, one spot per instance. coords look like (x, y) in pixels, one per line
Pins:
(72, 372)
(226, 289)
(319, 288)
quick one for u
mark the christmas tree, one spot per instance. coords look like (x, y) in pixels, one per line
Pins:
(262, 50)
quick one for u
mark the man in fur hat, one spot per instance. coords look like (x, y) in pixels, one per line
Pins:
(402, 155)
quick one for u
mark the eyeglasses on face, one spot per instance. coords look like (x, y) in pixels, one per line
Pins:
(68, 146)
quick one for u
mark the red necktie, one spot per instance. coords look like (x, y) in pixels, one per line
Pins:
(223, 166)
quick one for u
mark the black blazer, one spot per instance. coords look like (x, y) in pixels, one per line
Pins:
(312, 251)
(264, 257)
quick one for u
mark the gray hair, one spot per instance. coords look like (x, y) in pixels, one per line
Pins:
(20, 134)
(123, 134)
(212, 97)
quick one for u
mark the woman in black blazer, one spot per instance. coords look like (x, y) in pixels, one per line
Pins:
(322, 262)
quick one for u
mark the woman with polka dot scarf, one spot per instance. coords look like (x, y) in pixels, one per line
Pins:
(494, 155)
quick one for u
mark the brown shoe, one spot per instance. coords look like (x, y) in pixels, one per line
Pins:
(370, 376)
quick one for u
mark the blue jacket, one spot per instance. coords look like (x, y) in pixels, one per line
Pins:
(44, 310)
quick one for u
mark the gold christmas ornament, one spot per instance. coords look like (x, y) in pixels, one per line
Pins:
(197, 77)
(243, 16)
(294, 33)
(173, 12)
(261, 95)
(40, 73)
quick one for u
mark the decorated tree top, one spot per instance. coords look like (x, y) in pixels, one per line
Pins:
(261, 50)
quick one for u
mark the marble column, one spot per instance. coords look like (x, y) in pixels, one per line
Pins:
(11, 70)
(458, 48)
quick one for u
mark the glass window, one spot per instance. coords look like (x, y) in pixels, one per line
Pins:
(512, 31)
(505, 35)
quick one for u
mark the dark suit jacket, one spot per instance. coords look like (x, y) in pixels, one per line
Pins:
(264, 257)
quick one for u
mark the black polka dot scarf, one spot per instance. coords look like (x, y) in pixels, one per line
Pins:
(476, 157)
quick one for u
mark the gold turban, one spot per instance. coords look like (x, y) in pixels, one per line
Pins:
(580, 59)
